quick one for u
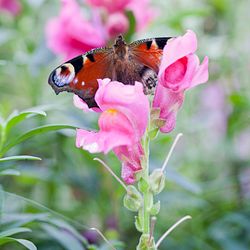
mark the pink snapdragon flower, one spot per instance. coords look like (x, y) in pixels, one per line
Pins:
(70, 34)
(179, 71)
(11, 6)
(143, 12)
(117, 24)
(131, 157)
(110, 5)
(122, 123)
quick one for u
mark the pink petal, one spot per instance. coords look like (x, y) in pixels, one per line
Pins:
(110, 6)
(128, 174)
(201, 74)
(115, 130)
(177, 48)
(131, 160)
(179, 75)
(12, 6)
(72, 36)
(143, 12)
(169, 103)
(88, 140)
(117, 24)
(128, 99)
(79, 103)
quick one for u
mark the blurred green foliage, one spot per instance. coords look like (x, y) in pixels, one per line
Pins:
(66, 193)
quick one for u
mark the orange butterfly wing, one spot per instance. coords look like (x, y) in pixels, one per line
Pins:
(80, 74)
(148, 51)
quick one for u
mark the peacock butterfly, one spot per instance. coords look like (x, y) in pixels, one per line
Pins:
(138, 61)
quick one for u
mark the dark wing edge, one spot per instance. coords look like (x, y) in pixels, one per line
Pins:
(160, 42)
(78, 75)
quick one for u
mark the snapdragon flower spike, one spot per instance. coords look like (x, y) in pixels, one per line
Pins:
(179, 71)
(121, 126)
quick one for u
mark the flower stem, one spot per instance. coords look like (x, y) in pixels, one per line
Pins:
(146, 193)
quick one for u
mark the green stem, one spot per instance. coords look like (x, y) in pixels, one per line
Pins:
(146, 193)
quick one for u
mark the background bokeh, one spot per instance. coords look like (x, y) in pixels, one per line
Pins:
(61, 196)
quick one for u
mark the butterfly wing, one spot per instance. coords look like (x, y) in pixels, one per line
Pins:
(80, 74)
(148, 52)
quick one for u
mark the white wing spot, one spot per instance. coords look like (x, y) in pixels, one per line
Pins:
(154, 45)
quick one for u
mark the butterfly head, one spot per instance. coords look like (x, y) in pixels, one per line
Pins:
(120, 47)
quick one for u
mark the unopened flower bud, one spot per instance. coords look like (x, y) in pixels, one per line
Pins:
(157, 181)
(133, 199)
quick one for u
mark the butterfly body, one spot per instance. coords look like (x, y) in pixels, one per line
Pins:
(138, 61)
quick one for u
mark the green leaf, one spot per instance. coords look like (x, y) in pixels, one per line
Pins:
(33, 132)
(10, 172)
(20, 157)
(12, 231)
(73, 231)
(66, 239)
(26, 243)
(2, 200)
(16, 117)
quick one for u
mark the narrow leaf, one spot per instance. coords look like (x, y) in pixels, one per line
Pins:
(12, 231)
(64, 225)
(20, 157)
(10, 172)
(16, 118)
(33, 132)
(26, 243)
(66, 239)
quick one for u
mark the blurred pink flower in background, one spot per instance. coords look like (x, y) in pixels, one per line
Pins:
(110, 5)
(70, 34)
(117, 24)
(242, 145)
(180, 70)
(143, 12)
(215, 109)
(11, 6)
(121, 128)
